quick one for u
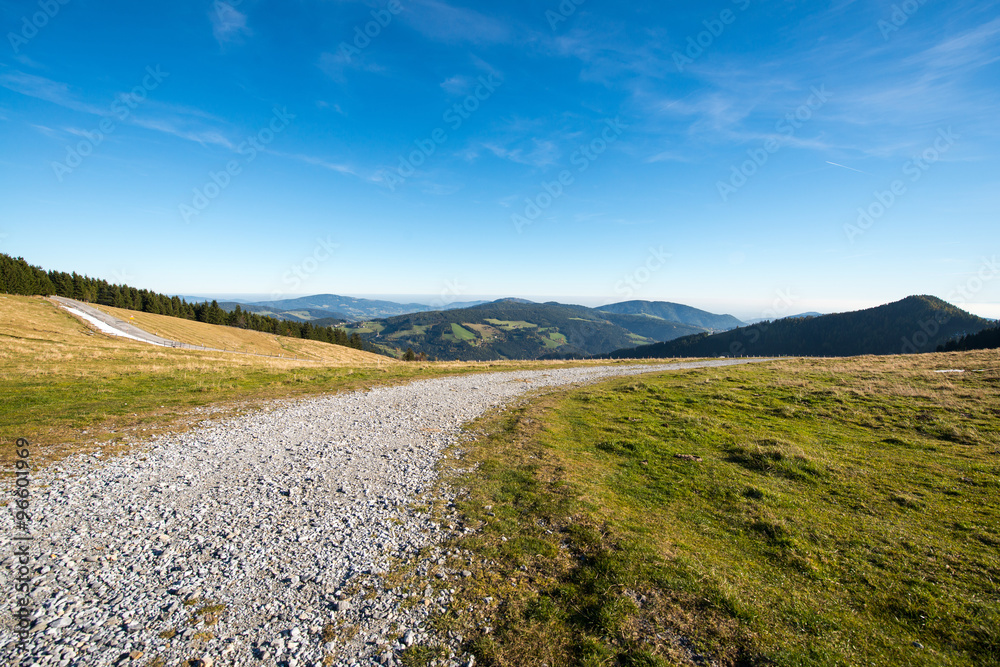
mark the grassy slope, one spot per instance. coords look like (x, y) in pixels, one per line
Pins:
(844, 512)
(68, 389)
(241, 340)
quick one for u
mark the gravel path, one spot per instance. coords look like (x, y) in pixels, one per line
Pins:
(242, 540)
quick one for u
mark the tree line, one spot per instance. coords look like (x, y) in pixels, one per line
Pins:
(987, 339)
(914, 324)
(19, 277)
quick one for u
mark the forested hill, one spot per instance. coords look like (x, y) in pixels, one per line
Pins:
(674, 312)
(915, 324)
(517, 329)
(19, 277)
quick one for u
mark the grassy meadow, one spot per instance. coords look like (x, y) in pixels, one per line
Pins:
(801, 512)
(242, 340)
(67, 388)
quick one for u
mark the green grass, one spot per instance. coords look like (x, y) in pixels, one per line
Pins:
(552, 340)
(366, 328)
(462, 333)
(68, 390)
(415, 330)
(842, 513)
(511, 325)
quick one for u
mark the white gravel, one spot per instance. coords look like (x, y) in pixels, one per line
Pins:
(286, 516)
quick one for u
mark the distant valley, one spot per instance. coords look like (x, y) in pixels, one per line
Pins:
(502, 329)
(518, 329)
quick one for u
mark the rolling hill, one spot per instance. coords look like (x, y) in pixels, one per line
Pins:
(313, 315)
(348, 308)
(244, 341)
(674, 312)
(914, 324)
(517, 329)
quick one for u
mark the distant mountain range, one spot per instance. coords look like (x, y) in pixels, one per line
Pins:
(330, 308)
(333, 308)
(520, 329)
(914, 324)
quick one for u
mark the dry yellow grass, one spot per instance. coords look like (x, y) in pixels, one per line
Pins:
(69, 389)
(241, 340)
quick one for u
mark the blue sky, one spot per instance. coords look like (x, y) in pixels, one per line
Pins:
(749, 157)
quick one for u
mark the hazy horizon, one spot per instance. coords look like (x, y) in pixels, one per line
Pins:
(744, 312)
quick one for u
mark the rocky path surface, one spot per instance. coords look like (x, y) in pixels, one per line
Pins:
(259, 540)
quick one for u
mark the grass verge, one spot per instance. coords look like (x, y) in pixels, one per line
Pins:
(812, 512)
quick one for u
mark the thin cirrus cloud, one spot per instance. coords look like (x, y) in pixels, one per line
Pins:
(48, 90)
(173, 128)
(541, 153)
(337, 65)
(446, 23)
(60, 94)
(457, 85)
(229, 25)
(971, 49)
(317, 162)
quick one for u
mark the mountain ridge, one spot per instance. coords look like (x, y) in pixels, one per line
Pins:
(516, 329)
(914, 324)
(674, 312)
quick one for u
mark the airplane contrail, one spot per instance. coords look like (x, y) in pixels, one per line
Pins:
(851, 168)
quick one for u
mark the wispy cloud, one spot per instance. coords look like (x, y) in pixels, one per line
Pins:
(445, 23)
(228, 23)
(323, 104)
(27, 62)
(667, 156)
(336, 65)
(318, 162)
(973, 48)
(47, 131)
(48, 90)
(201, 136)
(60, 94)
(541, 152)
(457, 85)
